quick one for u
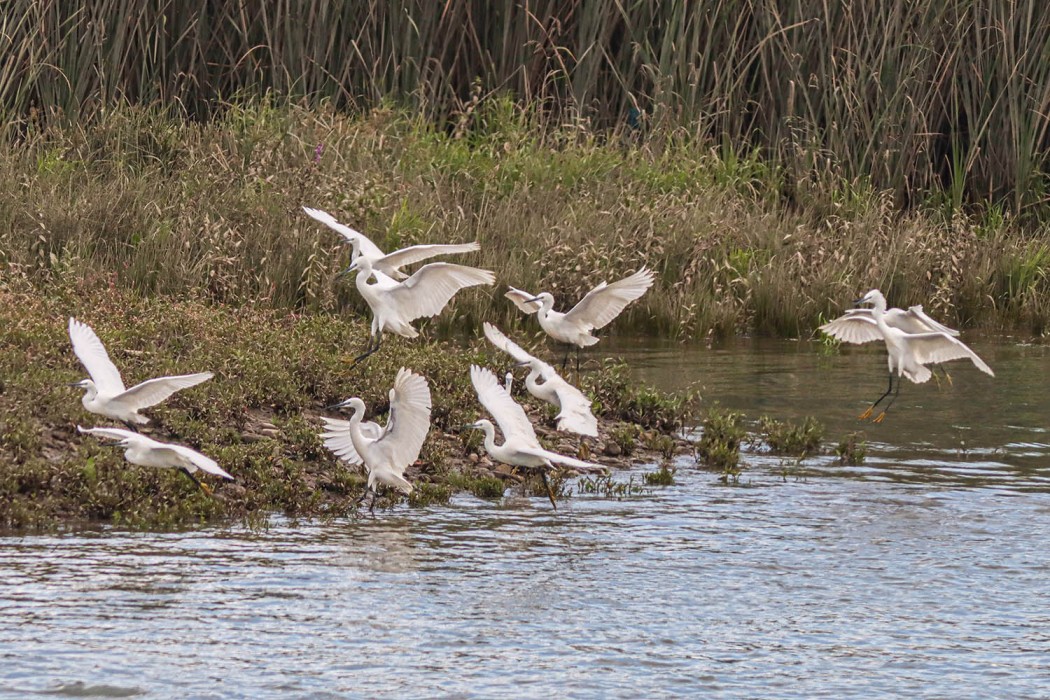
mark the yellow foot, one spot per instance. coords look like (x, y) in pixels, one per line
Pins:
(878, 418)
(866, 414)
(206, 489)
(949, 378)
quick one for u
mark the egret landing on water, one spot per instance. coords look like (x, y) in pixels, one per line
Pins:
(105, 392)
(147, 452)
(389, 264)
(385, 452)
(521, 447)
(574, 409)
(913, 340)
(396, 304)
(596, 310)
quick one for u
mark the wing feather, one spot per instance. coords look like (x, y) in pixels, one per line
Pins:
(934, 348)
(914, 320)
(202, 462)
(497, 338)
(152, 391)
(92, 354)
(419, 253)
(409, 420)
(519, 297)
(853, 328)
(561, 459)
(111, 433)
(606, 301)
(431, 288)
(508, 414)
(367, 247)
(575, 415)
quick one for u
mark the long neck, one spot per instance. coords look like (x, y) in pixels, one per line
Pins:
(546, 304)
(490, 437)
(355, 431)
(530, 381)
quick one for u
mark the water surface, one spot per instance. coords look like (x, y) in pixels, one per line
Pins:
(921, 573)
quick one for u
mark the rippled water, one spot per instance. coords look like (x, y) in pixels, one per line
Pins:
(924, 573)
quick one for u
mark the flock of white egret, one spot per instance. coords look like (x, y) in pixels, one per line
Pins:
(914, 342)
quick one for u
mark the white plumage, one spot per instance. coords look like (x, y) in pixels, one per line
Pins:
(105, 393)
(520, 446)
(596, 310)
(389, 264)
(385, 452)
(574, 407)
(396, 304)
(147, 452)
(913, 341)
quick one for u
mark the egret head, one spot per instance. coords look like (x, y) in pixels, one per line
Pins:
(874, 297)
(544, 299)
(85, 384)
(479, 425)
(353, 403)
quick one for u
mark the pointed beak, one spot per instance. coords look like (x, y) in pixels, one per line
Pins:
(858, 302)
(336, 406)
(73, 384)
(529, 301)
(521, 364)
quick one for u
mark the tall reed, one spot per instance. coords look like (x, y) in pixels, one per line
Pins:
(945, 96)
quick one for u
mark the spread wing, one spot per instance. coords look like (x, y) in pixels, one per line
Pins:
(409, 420)
(179, 453)
(914, 320)
(505, 344)
(336, 437)
(853, 328)
(519, 297)
(933, 348)
(152, 391)
(575, 415)
(431, 288)
(606, 301)
(92, 354)
(419, 253)
(508, 414)
(111, 433)
(367, 246)
(562, 459)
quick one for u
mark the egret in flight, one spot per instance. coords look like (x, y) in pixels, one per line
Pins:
(521, 447)
(396, 304)
(385, 452)
(104, 391)
(596, 310)
(389, 264)
(147, 452)
(913, 340)
(574, 409)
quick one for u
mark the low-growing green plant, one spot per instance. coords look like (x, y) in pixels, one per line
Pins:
(719, 444)
(797, 439)
(625, 436)
(664, 476)
(852, 449)
(608, 486)
(480, 486)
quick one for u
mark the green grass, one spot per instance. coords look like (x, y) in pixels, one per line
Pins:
(799, 440)
(275, 370)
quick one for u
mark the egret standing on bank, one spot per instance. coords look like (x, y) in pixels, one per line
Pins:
(385, 452)
(596, 310)
(396, 304)
(574, 409)
(909, 350)
(389, 264)
(147, 452)
(105, 392)
(521, 447)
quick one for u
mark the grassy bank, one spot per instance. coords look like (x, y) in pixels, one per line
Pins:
(275, 370)
(211, 211)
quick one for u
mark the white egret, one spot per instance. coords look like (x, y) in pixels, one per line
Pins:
(521, 447)
(147, 452)
(596, 310)
(396, 304)
(908, 352)
(389, 264)
(385, 452)
(104, 391)
(574, 408)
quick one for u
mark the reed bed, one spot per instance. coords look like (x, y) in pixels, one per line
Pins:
(948, 99)
(212, 211)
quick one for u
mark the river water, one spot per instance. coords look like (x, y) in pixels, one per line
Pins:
(924, 572)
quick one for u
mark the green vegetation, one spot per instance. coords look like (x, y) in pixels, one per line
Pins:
(275, 371)
(664, 476)
(799, 440)
(852, 449)
(719, 444)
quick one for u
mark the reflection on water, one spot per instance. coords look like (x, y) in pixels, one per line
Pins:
(921, 573)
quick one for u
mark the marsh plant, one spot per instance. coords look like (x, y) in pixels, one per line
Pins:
(795, 439)
(852, 449)
(664, 476)
(720, 440)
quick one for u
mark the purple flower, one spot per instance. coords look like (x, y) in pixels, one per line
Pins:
(317, 153)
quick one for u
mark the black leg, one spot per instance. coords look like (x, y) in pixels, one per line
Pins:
(565, 360)
(867, 414)
(577, 364)
(878, 418)
(131, 426)
(547, 485)
(203, 487)
(370, 348)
